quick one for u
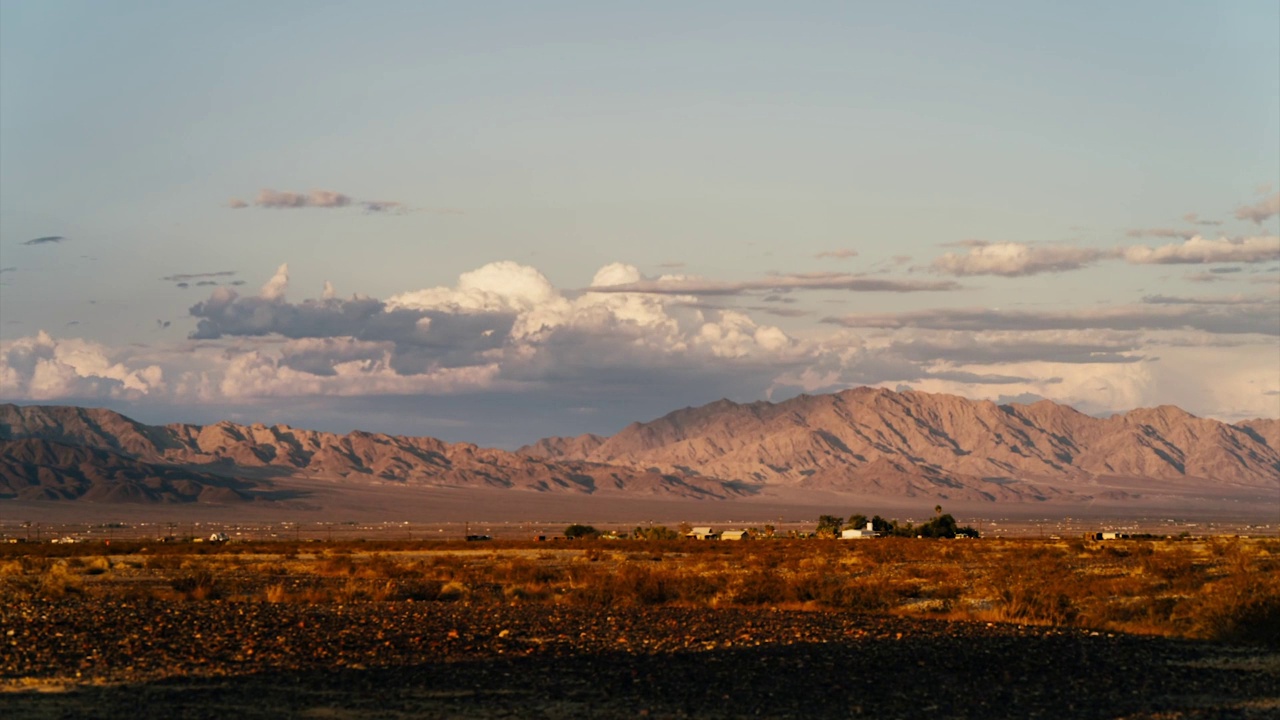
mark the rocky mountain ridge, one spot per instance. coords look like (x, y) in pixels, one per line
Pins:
(74, 441)
(867, 441)
(878, 441)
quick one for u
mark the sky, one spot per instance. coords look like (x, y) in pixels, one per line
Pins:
(496, 222)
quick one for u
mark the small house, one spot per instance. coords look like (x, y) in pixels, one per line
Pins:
(702, 533)
(859, 533)
(734, 535)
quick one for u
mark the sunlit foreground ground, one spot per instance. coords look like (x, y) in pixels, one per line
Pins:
(889, 627)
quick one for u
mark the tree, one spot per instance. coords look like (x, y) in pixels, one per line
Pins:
(856, 521)
(576, 531)
(655, 532)
(829, 525)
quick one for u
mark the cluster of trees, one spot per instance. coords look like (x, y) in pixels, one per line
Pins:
(656, 532)
(943, 525)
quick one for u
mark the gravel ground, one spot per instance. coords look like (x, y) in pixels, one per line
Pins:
(220, 659)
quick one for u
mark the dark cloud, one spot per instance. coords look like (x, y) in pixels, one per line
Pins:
(45, 240)
(383, 206)
(780, 312)
(967, 350)
(8, 269)
(179, 277)
(1220, 300)
(777, 283)
(1257, 318)
(420, 339)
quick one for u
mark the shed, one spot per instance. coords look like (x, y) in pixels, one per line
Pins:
(734, 535)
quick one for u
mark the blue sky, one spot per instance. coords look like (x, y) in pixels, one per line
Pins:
(1093, 185)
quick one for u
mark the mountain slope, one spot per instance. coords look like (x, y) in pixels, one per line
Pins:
(119, 447)
(857, 439)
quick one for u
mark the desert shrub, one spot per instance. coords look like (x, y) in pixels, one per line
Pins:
(629, 585)
(97, 566)
(1035, 587)
(197, 585)
(759, 588)
(337, 565)
(276, 593)
(164, 562)
(520, 570)
(1242, 608)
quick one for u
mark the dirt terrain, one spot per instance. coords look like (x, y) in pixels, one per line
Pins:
(894, 628)
(119, 659)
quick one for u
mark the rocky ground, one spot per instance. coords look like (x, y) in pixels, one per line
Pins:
(121, 658)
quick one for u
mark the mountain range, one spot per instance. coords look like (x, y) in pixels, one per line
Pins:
(866, 441)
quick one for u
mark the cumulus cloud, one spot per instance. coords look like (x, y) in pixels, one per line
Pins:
(47, 239)
(1203, 250)
(275, 288)
(42, 368)
(1011, 259)
(1261, 211)
(505, 328)
(237, 204)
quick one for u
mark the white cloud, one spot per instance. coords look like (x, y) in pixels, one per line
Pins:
(1202, 250)
(1011, 259)
(505, 328)
(275, 288)
(42, 368)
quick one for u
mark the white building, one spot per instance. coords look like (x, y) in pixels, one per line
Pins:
(859, 533)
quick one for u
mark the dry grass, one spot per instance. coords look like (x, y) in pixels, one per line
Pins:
(1223, 589)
